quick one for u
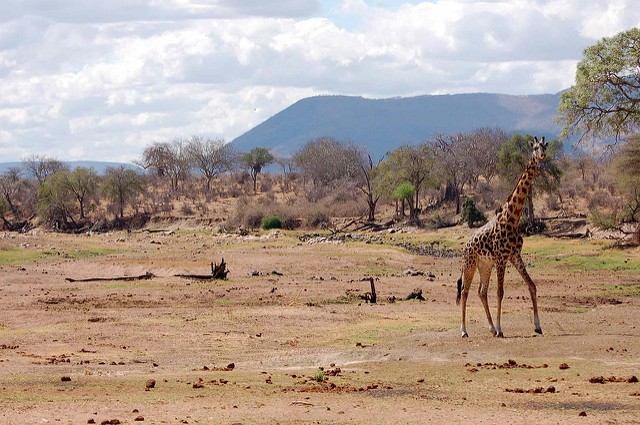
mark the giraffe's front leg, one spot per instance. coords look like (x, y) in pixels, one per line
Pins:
(500, 267)
(519, 265)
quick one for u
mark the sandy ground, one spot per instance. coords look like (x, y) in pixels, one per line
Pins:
(299, 345)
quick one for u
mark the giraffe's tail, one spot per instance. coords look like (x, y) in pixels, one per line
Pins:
(459, 291)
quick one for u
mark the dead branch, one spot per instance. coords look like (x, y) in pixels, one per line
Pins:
(146, 276)
(218, 271)
(416, 294)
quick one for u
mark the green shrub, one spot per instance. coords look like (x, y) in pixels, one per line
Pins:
(271, 222)
(470, 213)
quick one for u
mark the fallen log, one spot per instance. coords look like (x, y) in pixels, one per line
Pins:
(218, 271)
(147, 275)
(416, 294)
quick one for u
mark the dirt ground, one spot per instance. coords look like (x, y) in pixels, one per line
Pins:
(288, 340)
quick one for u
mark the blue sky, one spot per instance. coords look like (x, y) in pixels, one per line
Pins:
(101, 80)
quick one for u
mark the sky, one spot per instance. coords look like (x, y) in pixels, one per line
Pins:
(101, 80)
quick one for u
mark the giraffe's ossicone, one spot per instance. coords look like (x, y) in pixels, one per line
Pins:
(497, 243)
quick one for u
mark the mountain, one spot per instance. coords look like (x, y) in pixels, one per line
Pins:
(381, 125)
(100, 167)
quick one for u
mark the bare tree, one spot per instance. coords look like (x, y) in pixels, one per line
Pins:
(325, 160)
(169, 159)
(367, 187)
(10, 183)
(42, 166)
(454, 153)
(210, 156)
(485, 143)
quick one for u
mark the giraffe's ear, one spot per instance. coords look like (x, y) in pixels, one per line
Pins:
(543, 142)
(533, 142)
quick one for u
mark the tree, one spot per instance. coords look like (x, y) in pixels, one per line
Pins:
(210, 156)
(485, 144)
(513, 159)
(42, 166)
(326, 160)
(404, 193)
(368, 187)
(410, 164)
(455, 159)
(120, 185)
(628, 166)
(82, 182)
(605, 100)
(10, 183)
(169, 159)
(55, 200)
(256, 159)
(470, 213)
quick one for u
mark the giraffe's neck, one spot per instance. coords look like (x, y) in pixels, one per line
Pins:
(512, 209)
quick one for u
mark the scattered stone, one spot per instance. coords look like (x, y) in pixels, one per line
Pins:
(583, 413)
(564, 366)
(151, 383)
(537, 390)
(65, 379)
(139, 418)
(603, 380)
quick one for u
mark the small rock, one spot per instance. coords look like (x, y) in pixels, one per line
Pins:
(139, 418)
(564, 366)
(583, 413)
(65, 379)
(151, 383)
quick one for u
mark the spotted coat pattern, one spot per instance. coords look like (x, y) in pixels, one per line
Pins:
(497, 243)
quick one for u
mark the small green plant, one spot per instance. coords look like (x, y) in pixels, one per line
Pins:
(319, 376)
(471, 214)
(271, 222)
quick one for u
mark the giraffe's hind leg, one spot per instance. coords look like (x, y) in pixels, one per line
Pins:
(485, 276)
(500, 268)
(519, 265)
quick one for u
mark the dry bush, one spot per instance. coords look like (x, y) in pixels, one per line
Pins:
(250, 213)
(487, 196)
(553, 202)
(187, 208)
(599, 199)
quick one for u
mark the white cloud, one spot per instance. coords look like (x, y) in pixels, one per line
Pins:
(99, 80)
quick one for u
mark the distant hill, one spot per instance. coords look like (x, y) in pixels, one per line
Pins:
(100, 167)
(381, 125)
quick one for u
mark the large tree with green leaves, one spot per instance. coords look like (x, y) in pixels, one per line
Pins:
(605, 100)
(83, 184)
(628, 169)
(407, 164)
(255, 160)
(56, 200)
(121, 185)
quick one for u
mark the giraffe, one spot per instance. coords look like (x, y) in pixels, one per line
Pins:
(498, 242)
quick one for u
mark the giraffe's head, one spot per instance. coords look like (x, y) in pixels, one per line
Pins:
(539, 149)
